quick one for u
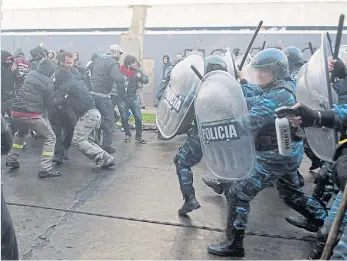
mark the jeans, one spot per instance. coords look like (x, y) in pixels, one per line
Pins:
(133, 104)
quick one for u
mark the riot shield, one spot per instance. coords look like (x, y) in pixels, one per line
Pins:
(238, 60)
(312, 85)
(175, 111)
(343, 53)
(226, 136)
(230, 63)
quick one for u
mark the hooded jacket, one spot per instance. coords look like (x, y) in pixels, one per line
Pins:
(73, 91)
(7, 80)
(105, 72)
(37, 54)
(36, 93)
(133, 82)
(166, 65)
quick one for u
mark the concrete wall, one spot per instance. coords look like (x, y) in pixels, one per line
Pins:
(237, 13)
(155, 46)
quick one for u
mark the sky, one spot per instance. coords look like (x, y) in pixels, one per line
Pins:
(32, 4)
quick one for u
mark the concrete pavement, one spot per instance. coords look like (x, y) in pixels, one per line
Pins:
(130, 211)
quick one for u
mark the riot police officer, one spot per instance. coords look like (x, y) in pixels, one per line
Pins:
(270, 71)
(190, 152)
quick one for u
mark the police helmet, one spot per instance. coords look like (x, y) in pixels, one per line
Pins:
(272, 60)
(215, 62)
(295, 57)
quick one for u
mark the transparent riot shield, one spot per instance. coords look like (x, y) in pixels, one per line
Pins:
(226, 136)
(312, 85)
(343, 53)
(175, 111)
(230, 63)
(239, 58)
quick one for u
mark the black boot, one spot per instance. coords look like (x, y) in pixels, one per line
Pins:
(233, 245)
(307, 221)
(216, 185)
(49, 174)
(190, 202)
(319, 245)
(315, 165)
(13, 164)
(58, 159)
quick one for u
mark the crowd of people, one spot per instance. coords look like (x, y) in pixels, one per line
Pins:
(54, 96)
(66, 103)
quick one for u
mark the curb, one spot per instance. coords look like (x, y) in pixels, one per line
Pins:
(145, 126)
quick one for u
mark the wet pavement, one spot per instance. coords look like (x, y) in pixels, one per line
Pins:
(130, 211)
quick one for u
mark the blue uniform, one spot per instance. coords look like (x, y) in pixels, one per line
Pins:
(190, 153)
(271, 166)
(188, 156)
(340, 251)
(340, 116)
(333, 212)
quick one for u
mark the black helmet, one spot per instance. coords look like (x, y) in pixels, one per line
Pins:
(273, 60)
(215, 62)
(295, 57)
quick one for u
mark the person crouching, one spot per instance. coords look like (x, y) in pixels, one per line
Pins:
(74, 91)
(33, 99)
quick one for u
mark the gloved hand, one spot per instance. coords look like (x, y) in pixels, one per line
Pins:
(306, 117)
(339, 70)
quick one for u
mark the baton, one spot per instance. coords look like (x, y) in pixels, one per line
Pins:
(263, 47)
(334, 231)
(250, 45)
(339, 36)
(330, 42)
(196, 71)
(311, 48)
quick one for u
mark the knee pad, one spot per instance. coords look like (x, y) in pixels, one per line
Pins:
(230, 194)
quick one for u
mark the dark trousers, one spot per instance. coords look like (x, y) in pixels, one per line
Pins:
(63, 123)
(9, 247)
(189, 155)
(114, 99)
(133, 104)
(105, 107)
